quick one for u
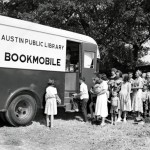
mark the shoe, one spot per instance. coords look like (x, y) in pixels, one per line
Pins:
(124, 120)
(77, 110)
(103, 124)
(118, 120)
(142, 123)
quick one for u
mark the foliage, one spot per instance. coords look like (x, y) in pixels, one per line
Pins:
(120, 27)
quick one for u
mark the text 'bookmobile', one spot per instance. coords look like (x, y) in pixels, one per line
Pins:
(30, 54)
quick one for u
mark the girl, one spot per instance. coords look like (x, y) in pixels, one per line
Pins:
(51, 98)
(131, 80)
(144, 78)
(124, 96)
(137, 105)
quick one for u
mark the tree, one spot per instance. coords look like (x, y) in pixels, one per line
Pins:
(120, 27)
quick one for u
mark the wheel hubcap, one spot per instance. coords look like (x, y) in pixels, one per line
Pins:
(22, 109)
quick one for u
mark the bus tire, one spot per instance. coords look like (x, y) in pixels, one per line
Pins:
(21, 110)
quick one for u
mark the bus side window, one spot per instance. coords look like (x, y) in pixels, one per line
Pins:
(88, 59)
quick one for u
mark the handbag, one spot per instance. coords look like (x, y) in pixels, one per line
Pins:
(58, 99)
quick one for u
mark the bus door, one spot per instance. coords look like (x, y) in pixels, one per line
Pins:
(71, 73)
(88, 62)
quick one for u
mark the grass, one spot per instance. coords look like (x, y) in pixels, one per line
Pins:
(70, 133)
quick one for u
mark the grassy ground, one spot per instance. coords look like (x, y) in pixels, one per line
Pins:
(70, 133)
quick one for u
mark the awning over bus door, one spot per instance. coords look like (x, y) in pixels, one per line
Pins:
(88, 62)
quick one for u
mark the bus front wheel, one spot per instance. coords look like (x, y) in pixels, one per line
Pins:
(21, 110)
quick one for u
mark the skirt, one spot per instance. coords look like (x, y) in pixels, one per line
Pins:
(51, 106)
(101, 106)
(137, 104)
(125, 102)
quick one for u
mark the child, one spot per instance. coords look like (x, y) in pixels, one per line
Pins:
(114, 107)
(51, 98)
(131, 80)
(145, 100)
(124, 96)
(144, 78)
(83, 97)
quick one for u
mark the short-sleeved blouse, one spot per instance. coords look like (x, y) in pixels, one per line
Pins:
(51, 91)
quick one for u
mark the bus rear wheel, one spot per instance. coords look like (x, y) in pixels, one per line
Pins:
(21, 110)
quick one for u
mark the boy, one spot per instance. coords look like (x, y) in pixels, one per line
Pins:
(83, 97)
(114, 107)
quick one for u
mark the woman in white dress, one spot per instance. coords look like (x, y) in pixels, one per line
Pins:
(101, 109)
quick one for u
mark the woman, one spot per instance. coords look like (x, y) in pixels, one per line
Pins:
(137, 105)
(112, 79)
(118, 81)
(101, 88)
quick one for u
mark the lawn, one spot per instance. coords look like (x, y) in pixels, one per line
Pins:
(71, 134)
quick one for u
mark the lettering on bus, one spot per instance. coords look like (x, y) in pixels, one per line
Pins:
(31, 42)
(31, 59)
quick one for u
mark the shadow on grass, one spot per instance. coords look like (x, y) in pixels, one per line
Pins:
(40, 117)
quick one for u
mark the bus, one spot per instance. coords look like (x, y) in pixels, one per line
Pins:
(30, 54)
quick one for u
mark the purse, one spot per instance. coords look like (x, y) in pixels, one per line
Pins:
(58, 99)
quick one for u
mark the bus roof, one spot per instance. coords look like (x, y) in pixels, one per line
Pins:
(45, 29)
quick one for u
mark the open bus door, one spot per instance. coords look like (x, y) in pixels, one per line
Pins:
(88, 62)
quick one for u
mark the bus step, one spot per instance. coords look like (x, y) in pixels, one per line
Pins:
(68, 107)
(67, 100)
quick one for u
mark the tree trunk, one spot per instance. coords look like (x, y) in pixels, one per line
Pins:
(136, 49)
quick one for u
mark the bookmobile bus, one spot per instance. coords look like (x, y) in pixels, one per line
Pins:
(30, 54)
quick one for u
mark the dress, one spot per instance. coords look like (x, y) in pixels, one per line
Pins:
(114, 105)
(101, 102)
(124, 96)
(51, 103)
(145, 101)
(137, 104)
